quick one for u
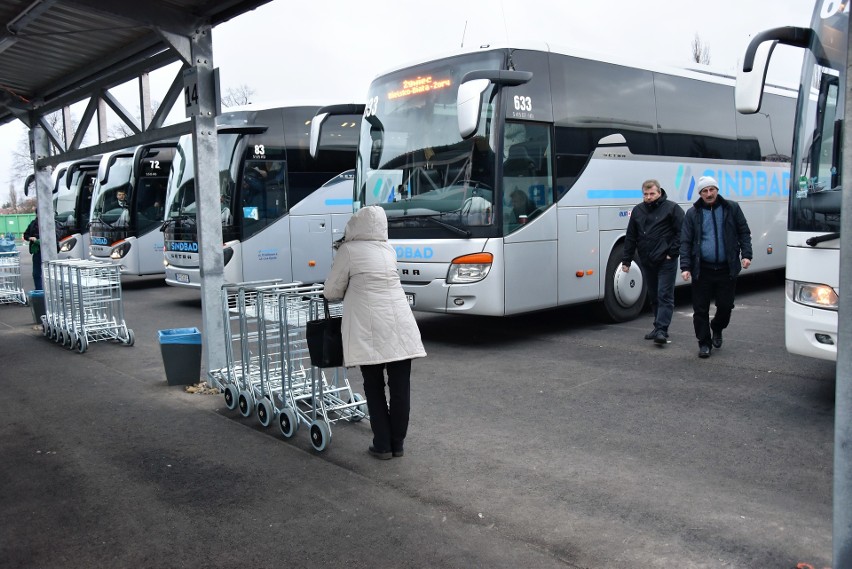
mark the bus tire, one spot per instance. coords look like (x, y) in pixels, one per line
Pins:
(624, 293)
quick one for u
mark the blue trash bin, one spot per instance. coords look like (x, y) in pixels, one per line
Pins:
(35, 298)
(181, 350)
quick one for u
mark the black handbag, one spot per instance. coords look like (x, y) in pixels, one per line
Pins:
(325, 343)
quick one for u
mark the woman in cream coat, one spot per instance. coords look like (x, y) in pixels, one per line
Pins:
(378, 328)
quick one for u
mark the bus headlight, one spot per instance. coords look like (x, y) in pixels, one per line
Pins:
(120, 251)
(812, 294)
(469, 268)
(67, 245)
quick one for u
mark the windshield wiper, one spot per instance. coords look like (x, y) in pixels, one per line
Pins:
(173, 220)
(814, 241)
(438, 222)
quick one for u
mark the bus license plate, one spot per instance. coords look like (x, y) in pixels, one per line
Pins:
(410, 298)
(182, 278)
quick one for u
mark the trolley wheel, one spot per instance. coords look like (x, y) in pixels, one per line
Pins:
(360, 411)
(288, 422)
(131, 338)
(624, 293)
(71, 340)
(60, 337)
(264, 411)
(244, 401)
(231, 395)
(82, 343)
(320, 435)
(44, 328)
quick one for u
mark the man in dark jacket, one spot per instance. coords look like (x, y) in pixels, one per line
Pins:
(31, 236)
(654, 230)
(714, 244)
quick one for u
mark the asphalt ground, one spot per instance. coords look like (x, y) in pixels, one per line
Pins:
(548, 440)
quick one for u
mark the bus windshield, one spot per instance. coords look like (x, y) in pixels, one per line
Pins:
(112, 198)
(412, 160)
(181, 189)
(815, 205)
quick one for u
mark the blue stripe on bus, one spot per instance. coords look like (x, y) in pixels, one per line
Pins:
(613, 194)
(338, 201)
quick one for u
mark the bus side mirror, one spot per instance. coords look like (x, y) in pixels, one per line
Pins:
(320, 117)
(27, 183)
(751, 75)
(748, 93)
(316, 130)
(473, 85)
(469, 104)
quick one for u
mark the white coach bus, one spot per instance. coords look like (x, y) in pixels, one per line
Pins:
(281, 208)
(128, 207)
(508, 174)
(813, 230)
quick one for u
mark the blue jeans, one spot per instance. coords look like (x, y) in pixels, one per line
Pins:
(661, 282)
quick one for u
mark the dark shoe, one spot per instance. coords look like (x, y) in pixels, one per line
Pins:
(380, 455)
(651, 335)
(703, 351)
(661, 337)
(717, 339)
(398, 453)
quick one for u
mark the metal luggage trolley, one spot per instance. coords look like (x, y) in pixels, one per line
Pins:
(312, 396)
(83, 304)
(237, 380)
(11, 287)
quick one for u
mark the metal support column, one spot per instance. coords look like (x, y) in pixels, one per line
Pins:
(40, 148)
(201, 96)
(842, 526)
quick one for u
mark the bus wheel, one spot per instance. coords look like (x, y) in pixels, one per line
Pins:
(624, 293)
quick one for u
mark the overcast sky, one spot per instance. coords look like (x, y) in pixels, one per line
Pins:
(332, 49)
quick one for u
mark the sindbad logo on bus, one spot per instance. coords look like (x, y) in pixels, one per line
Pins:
(414, 253)
(739, 184)
(183, 246)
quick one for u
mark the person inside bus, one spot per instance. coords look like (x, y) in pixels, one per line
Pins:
(226, 211)
(379, 331)
(715, 243)
(522, 207)
(121, 198)
(653, 232)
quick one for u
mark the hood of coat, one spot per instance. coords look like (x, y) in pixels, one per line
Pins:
(367, 224)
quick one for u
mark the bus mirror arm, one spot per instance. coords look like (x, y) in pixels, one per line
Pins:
(499, 77)
(788, 35)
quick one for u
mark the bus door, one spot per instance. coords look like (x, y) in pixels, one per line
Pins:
(265, 247)
(529, 221)
(315, 223)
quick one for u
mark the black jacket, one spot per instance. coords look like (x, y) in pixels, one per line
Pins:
(32, 231)
(653, 230)
(736, 231)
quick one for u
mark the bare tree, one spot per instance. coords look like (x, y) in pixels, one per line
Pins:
(237, 96)
(13, 198)
(700, 51)
(22, 163)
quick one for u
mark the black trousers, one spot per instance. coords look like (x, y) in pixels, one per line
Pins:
(389, 420)
(712, 285)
